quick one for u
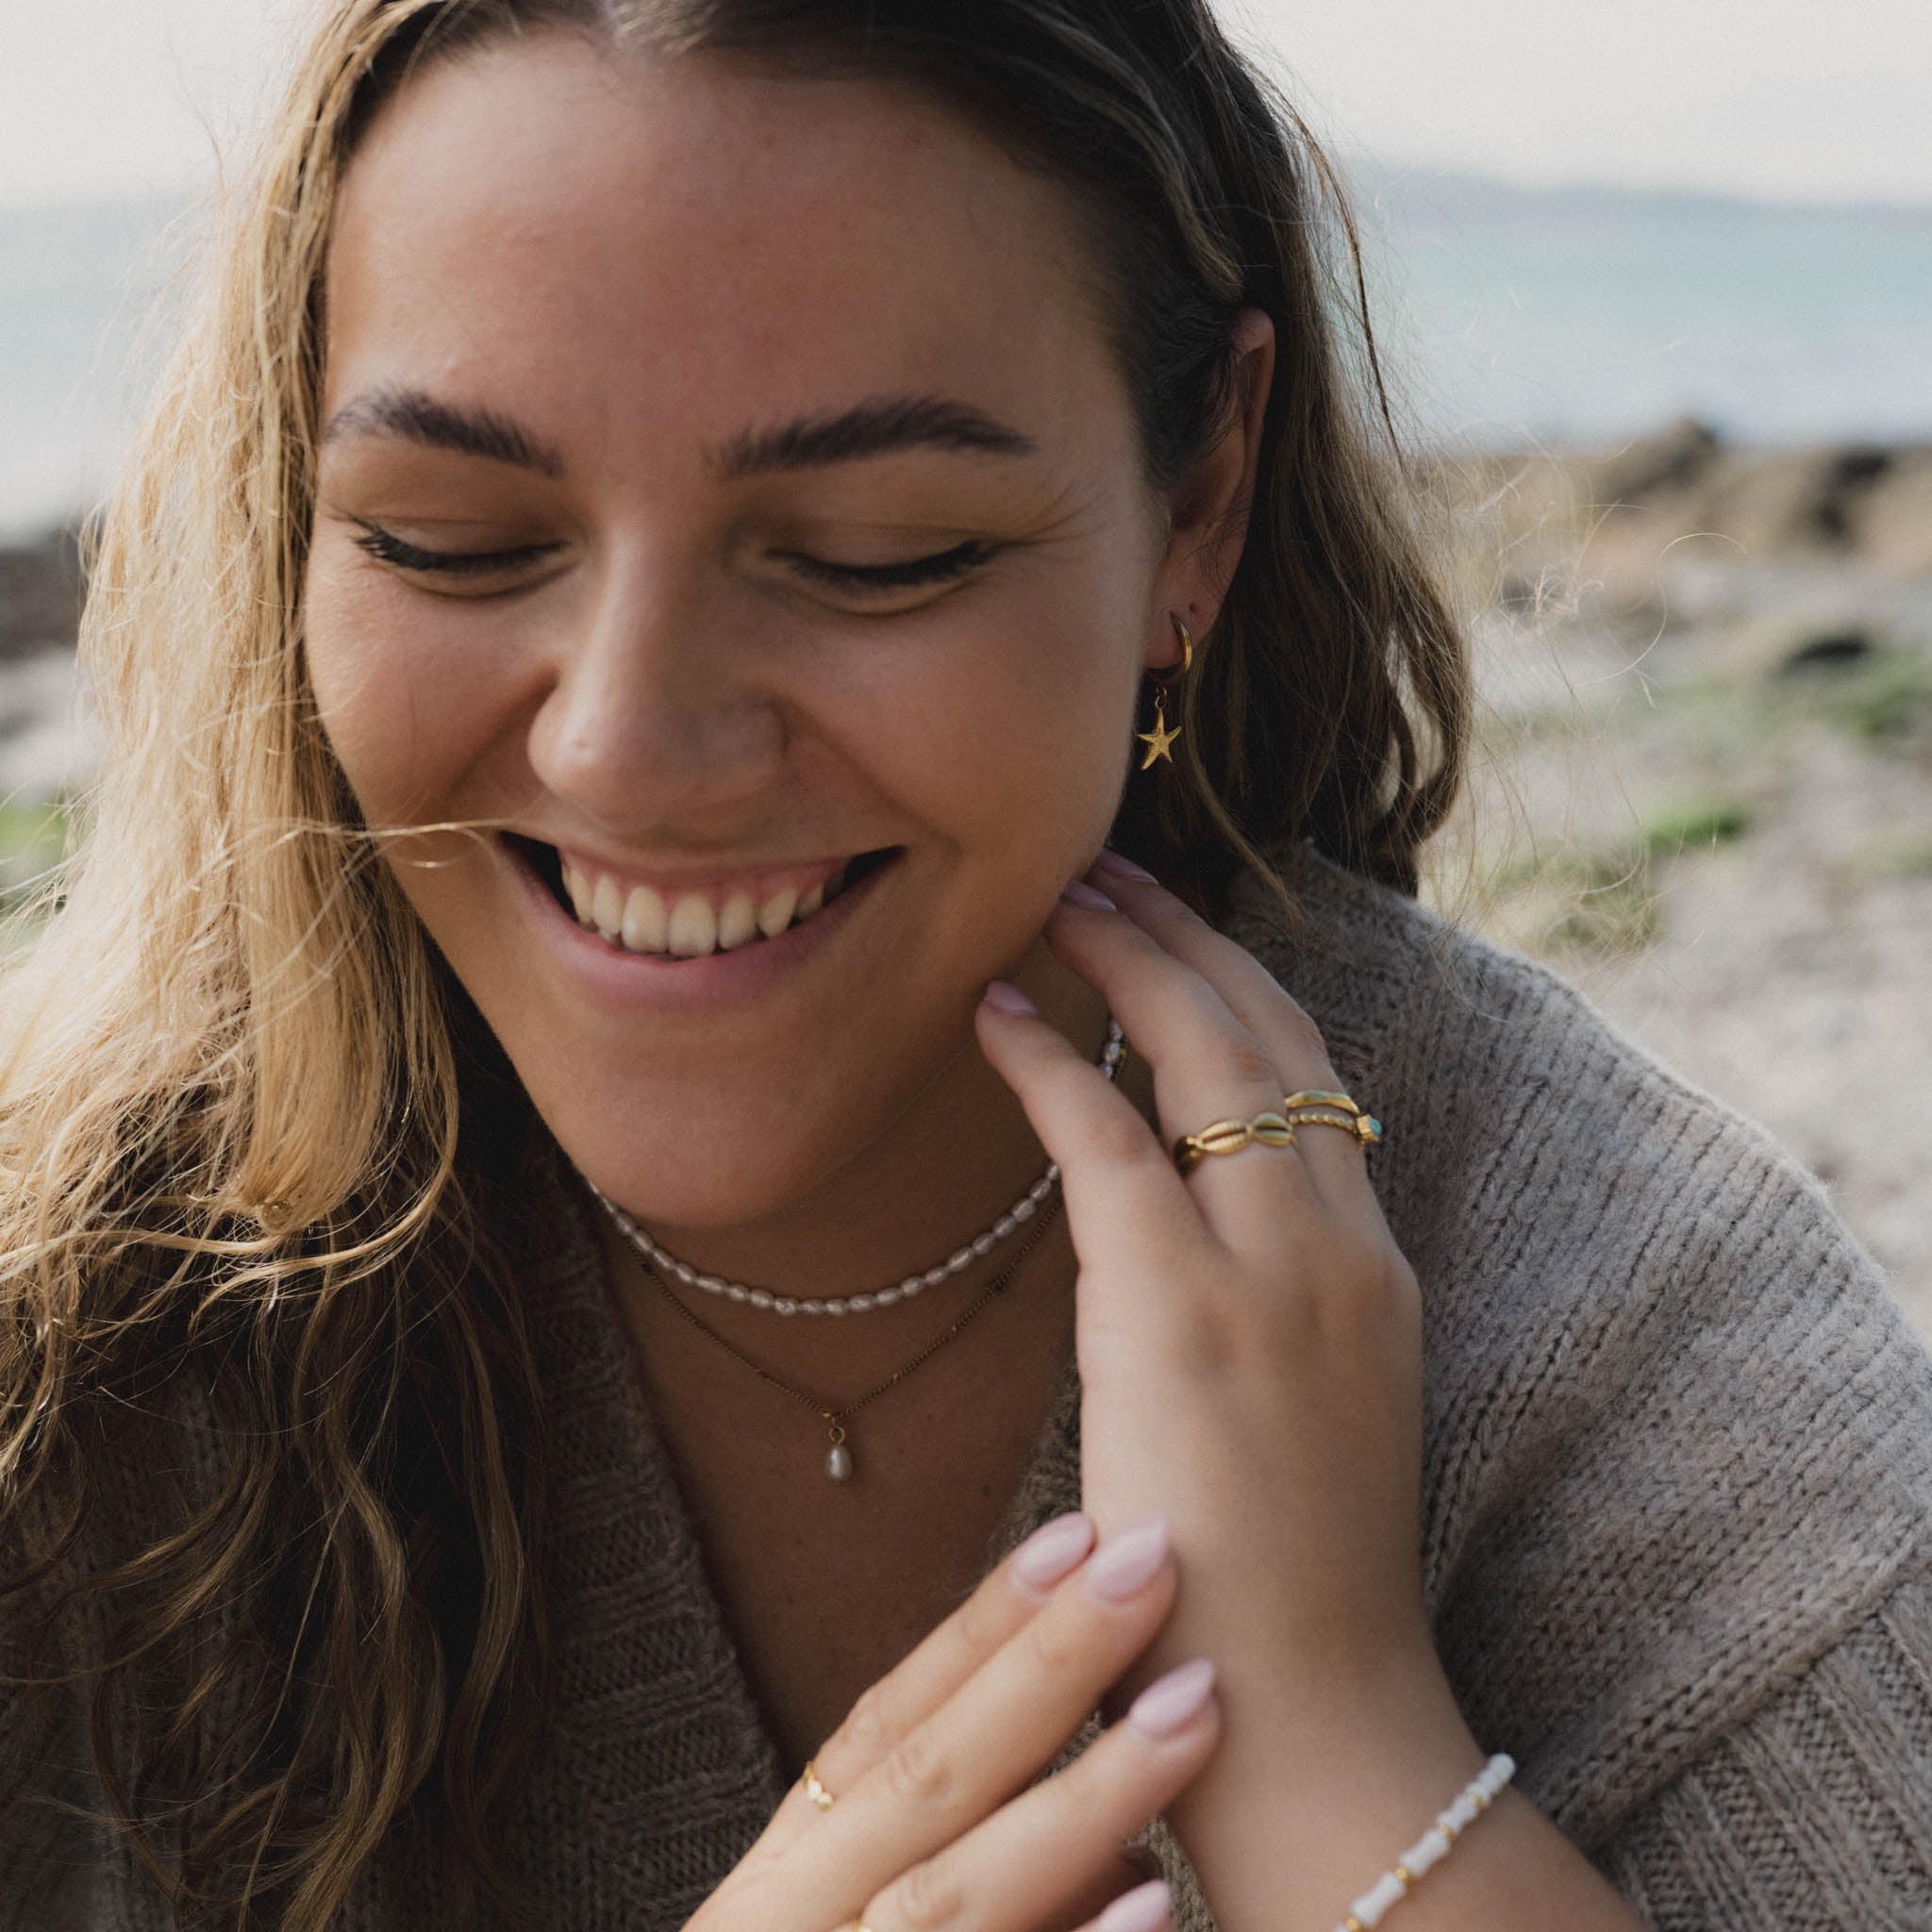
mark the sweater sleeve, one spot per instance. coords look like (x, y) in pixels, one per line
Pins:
(51, 1860)
(52, 1857)
(1816, 1812)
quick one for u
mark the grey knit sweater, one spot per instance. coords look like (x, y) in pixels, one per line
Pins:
(1677, 1494)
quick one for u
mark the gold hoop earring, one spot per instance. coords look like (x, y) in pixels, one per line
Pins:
(1160, 737)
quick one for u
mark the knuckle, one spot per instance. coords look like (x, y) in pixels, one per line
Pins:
(919, 1771)
(977, 1628)
(1235, 1326)
(868, 1724)
(1248, 1065)
(1120, 1136)
(927, 1897)
(1055, 1645)
(1373, 1296)
(1303, 1021)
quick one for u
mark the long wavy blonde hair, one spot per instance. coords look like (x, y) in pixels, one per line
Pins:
(246, 1120)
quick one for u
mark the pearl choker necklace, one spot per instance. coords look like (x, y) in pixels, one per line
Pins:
(1022, 1212)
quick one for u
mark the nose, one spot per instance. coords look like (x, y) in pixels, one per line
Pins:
(657, 712)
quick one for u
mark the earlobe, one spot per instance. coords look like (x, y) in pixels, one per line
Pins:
(1169, 667)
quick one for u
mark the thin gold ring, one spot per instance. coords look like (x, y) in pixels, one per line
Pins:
(1231, 1137)
(1308, 1109)
(814, 1788)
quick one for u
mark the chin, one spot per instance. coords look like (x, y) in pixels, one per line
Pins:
(710, 1153)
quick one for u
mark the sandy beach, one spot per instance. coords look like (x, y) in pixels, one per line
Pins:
(1702, 791)
(1704, 786)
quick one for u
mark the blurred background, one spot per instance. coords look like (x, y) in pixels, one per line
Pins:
(1652, 278)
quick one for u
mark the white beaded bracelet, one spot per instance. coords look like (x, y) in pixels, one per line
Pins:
(1432, 1847)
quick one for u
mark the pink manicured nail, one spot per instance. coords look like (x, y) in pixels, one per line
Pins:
(1053, 1551)
(1128, 1560)
(1078, 893)
(1146, 1909)
(1115, 861)
(1009, 999)
(1169, 1702)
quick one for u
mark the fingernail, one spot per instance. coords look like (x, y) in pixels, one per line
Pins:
(1128, 1560)
(1078, 893)
(1170, 1702)
(1114, 861)
(1146, 1909)
(1008, 999)
(1053, 1551)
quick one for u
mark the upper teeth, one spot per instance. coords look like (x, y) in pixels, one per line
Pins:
(645, 921)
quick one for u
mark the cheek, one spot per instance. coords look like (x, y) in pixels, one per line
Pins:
(405, 704)
(1012, 741)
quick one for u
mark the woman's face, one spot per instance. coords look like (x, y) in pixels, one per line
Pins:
(728, 490)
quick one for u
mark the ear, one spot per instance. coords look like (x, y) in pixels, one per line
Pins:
(1208, 515)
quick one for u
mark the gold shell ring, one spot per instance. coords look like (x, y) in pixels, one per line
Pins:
(1231, 1137)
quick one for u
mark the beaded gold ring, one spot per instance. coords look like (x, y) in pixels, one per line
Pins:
(814, 1789)
(1310, 1109)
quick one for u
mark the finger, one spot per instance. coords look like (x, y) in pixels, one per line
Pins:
(1208, 1066)
(1260, 1002)
(1005, 1599)
(1128, 1871)
(1124, 1899)
(1031, 1857)
(1146, 1909)
(995, 1734)
(1129, 1212)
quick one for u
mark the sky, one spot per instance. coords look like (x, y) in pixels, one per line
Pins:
(1783, 99)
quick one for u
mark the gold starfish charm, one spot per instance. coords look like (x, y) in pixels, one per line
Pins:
(1159, 738)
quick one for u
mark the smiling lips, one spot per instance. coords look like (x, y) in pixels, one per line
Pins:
(689, 922)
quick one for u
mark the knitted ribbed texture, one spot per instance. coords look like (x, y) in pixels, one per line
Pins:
(1677, 1492)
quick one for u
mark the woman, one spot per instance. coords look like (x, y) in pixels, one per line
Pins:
(725, 594)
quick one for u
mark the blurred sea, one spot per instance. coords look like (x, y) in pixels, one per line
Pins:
(1582, 316)
(1566, 317)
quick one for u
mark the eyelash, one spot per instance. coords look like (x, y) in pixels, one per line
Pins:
(913, 574)
(387, 548)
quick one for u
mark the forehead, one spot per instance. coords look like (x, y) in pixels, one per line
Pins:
(634, 248)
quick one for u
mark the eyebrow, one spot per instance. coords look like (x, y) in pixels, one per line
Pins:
(874, 429)
(418, 417)
(879, 426)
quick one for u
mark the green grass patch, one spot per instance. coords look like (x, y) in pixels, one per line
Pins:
(1615, 909)
(1889, 701)
(33, 840)
(1597, 899)
(1687, 823)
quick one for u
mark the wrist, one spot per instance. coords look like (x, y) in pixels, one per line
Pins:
(1310, 1799)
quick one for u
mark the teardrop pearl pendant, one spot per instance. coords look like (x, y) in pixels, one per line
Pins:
(839, 1458)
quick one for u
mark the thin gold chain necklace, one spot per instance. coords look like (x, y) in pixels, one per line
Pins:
(838, 1464)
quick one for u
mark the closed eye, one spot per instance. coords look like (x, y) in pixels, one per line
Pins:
(938, 569)
(942, 567)
(391, 548)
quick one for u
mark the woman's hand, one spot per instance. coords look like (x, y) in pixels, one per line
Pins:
(1250, 1350)
(937, 1819)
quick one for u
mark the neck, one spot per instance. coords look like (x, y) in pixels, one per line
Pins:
(956, 1159)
